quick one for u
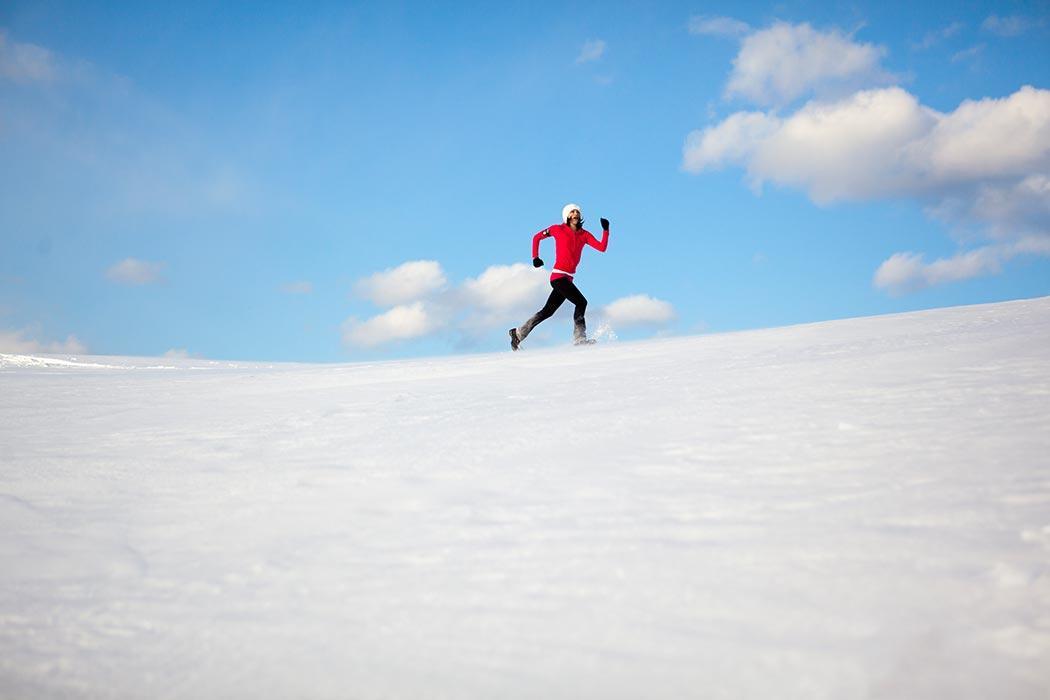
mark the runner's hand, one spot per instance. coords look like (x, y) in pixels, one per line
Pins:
(536, 262)
(605, 224)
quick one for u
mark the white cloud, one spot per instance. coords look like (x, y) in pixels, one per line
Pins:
(503, 294)
(906, 149)
(506, 288)
(908, 272)
(787, 61)
(989, 138)
(26, 63)
(820, 146)
(592, 50)
(718, 26)
(500, 297)
(984, 167)
(408, 282)
(297, 288)
(732, 141)
(135, 272)
(1022, 208)
(1012, 25)
(20, 342)
(1037, 245)
(405, 322)
(639, 310)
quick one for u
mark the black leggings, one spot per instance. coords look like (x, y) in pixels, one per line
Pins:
(562, 289)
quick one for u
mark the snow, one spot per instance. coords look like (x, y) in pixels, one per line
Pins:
(850, 509)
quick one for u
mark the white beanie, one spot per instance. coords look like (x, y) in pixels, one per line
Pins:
(567, 208)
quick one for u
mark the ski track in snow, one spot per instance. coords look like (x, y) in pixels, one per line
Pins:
(851, 509)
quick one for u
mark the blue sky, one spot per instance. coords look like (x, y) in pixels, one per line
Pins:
(261, 181)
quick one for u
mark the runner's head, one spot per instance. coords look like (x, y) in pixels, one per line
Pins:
(569, 211)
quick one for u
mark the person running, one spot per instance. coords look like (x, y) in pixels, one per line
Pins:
(569, 239)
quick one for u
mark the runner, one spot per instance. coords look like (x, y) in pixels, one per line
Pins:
(569, 239)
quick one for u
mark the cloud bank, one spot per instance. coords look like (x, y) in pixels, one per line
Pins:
(506, 288)
(639, 310)
(777, 65)
(905, 148)
(406, 322)
(908, 272)
(983, 169)
(21, 342)
(500, 297)
(402, 284)
(424, 304)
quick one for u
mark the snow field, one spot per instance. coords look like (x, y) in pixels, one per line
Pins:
(851, 509)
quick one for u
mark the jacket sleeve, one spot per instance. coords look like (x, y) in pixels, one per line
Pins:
(536, 241)
(601, 245)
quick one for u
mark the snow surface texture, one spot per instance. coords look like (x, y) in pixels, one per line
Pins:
(852, 509)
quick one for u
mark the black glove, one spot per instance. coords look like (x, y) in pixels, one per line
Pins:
(605, 224)
(536, 262)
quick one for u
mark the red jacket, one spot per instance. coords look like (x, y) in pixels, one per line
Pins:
(568, 245)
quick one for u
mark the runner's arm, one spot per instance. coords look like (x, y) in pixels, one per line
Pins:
(601, 245)
(545, 233)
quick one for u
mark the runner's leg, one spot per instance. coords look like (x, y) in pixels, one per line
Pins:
(555, 300)
(573, 294)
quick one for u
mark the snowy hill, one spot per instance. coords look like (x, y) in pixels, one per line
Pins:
(852, 509)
